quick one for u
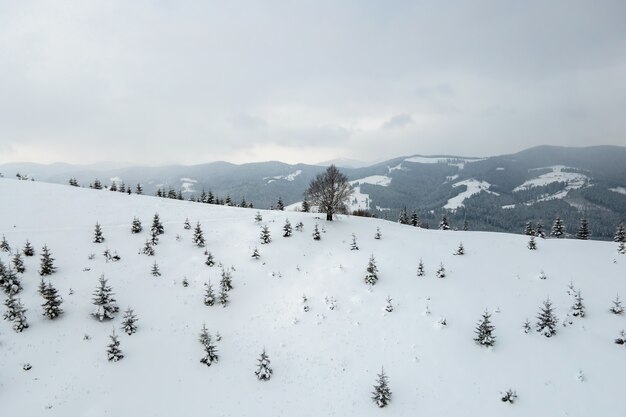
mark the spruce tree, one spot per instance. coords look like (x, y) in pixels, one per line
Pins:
(389, 305)
(10, 304)
(265, 235)
(532, 244)
(28, 249)
(420, 269)
(621, 249)
(52, 304)
(381, 394)
(209, 294)
(97, 234)
(484, 331)
(353, 245)
(114, 353)
(227, 279)
(157, 226)
(129, 321)
(460, 250)
(316, 233)
(529, 231)
(209, 260)
(263, 370)
(210, 350)
(578, 309)
(539, 231)
(104, 301)
(280, 205)
(138, 189)
(148, 248)
(258, 218)
(113, 186)
(10, 282)
(187, 225)
(47, 262)
(377, 235)
(287, 228)
(4, 245)
(136, 226)
(415, 220)
(155, 270)
(547, 320)
(441, 271)
(18, 263)
(371, 275)
(19, 320)
(558, 229)
(306, 207)
(583, 231)
(154, 237)
(223, 295)
(256, 254)
(97, 185)
(617, 307)
(403, 218)
(620, 234)
(444, 224)
(198, 236)
(41, 288)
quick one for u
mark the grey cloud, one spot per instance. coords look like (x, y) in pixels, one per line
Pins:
(398, 121)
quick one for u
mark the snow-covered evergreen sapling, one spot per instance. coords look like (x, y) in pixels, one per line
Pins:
(136, 226)
(198, 236)
(258, 218)
(353, 245)
(621, 339)
(526, 326)
(210, 350)
(509, 396)
(460, 250)
(620, 234)
(97, 234)
(558, 229)
(287, 228)
(28, 249)
(583, 230)
(263, 370)
(280, 205)
(114, 353)
(52, 304)
(617, 307)
(129, 321)
(19, 318)
(547, 320)
(441, 271)
(621, 248)
(209, 294)
(4, 245)
(316, 233)
(106, 306)
(10, 282)
(299, 226)
(227, 279)
(209, 259)
(420, 269)
(381, 394)
(47, 262)
(223, 295)
(265, 235)
(529, 231)
(148, 248)
(187, 225)
(18, 263)
(157, 226)
(10, 303)
(578, 309)
(539, 231)
(155, 270)
(389, 305)
(532, 245)
(377, 235)
(255, 253)
(444, 224)
(484, 331)
(371, 274)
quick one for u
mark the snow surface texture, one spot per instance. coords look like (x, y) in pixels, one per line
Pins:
(360, 200)
(324, 361)
(473, 187)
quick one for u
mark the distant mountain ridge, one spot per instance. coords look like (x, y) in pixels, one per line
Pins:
(498, 193)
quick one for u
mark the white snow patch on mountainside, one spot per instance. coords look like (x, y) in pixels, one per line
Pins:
(381, 180)
(184, 179)
(619, 190)
(458, 162)
(574, 180)
(473, 187)
(289, 177)
(360, 200)
(324, 361)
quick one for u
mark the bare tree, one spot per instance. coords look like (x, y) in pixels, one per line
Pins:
(330, 191)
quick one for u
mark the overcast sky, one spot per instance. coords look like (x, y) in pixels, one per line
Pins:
(162, 81)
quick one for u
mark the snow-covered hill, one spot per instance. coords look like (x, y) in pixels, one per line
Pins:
(325, 361)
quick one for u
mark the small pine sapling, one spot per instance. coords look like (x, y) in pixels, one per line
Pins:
(155, 270)
(47, 262)
(441, 271)
(508, 397)
(114, 353)
(484, 331)
(265, 235)
(371, 275)
(209, 294)
(223, 295)
(148, 248)
(526, 326)
(258, 218)
(18, 263)
(136, 226)
(460, 250)
(10, 282)
(52, 305)
(19, 318)
(129, 322)
(187, 225)
(621, 339)
(198, 236)
(287, 228)
(617, 307)
(377, 235)
(389, 305)
(578, 309)
(542, 275)
(106, 306)
(316, 233)
(255, 253)
(299, 226)
(263, 371)
(209, 260)
(28, 249)
(381, 394)
(532, 244)
(227, 279)
(210, 350)
(157, 226)
(621, 248)
(10, 303)
(4, 245)
(546, 319)
(97, 234)
(353, 245)
(420, 269)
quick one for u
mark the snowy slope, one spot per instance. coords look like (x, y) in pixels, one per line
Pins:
(473, 187)
(325, 361)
